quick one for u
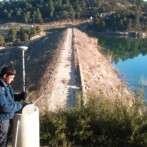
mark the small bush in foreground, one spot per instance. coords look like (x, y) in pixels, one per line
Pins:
(100, 122)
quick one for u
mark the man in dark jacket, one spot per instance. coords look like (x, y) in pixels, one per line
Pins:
(8, 105)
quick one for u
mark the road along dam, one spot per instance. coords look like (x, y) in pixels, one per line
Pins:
(65, 86)
(96, 73)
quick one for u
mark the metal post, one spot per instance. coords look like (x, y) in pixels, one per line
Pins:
(23, 49)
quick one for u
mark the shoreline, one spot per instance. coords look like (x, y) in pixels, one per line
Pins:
(126, 34)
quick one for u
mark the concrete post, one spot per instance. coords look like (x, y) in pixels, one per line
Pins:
(26, 128)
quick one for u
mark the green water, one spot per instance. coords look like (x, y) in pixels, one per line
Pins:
(129, 56)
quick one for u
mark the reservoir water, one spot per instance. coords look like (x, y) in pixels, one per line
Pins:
(129, 56)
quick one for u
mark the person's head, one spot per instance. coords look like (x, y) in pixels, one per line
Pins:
(7, 74)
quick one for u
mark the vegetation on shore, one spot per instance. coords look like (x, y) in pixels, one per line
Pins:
(122, 48)
(101, 122)
(16, 36)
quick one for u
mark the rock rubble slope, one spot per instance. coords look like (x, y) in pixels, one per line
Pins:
(97, 74)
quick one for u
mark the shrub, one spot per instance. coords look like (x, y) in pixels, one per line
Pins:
(2, 40)
(101, 122)
(23, 34)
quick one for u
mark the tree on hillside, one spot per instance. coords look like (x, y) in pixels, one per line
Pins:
(130, 24)
(71, 11)
(2, 40)
(139, 4)
(27, 16)
(38, 29)
(51, 8)
(78, 11)
(83, 4)
(25, 37)
(9, 15)
(23, 34)
(66, 5)
(28, 6)
(18, 13)
(137, 20)
(5, 13)
(38, 16)
(32, 32)
(12, 35)
(58, 4)
(67, 2)
(98, 22)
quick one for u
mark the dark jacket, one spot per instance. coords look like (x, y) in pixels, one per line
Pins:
(8, 106)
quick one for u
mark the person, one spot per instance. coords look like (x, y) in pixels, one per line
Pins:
(8, 102)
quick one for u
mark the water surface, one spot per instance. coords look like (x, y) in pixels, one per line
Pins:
(129, 56)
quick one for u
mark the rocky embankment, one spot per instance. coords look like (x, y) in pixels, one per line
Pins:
(98, 74)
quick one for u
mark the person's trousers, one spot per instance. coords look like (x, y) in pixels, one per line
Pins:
(4, 129)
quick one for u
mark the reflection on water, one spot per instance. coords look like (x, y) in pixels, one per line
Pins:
(129, 56)
(143, 81)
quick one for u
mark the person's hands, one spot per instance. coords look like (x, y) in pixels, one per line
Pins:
(26, 103)
(23, 95)
(23, 105)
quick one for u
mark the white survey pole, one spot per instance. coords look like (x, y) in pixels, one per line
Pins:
(23, 49)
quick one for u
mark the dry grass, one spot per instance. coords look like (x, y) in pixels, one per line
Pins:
(97, 69)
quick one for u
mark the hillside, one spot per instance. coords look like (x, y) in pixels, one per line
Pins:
(105, 16)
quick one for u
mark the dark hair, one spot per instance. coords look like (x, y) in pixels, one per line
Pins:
(7, 69)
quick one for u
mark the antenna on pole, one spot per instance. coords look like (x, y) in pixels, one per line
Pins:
(23, 49)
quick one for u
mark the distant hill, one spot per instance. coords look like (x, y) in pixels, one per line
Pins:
(33, 11)
(127, 14)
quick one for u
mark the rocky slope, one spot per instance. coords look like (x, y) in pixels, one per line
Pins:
(98, 74)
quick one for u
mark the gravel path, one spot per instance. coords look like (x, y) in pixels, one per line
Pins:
(64, 91)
